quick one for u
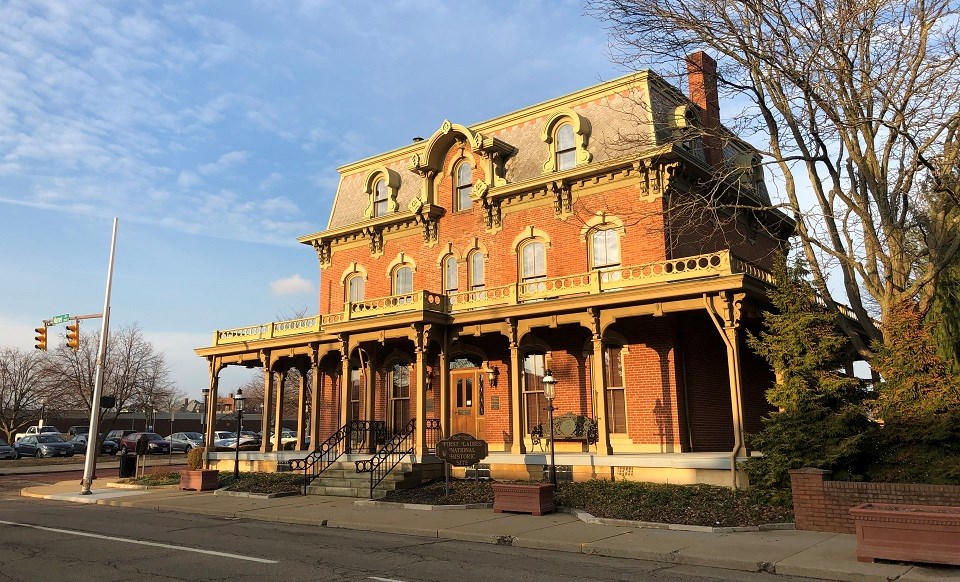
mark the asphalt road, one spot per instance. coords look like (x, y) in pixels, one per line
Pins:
(49, 540)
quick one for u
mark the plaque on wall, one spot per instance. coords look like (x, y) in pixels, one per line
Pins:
(429, 405)
(494, 403)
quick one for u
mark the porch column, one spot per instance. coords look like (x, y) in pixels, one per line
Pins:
(278, 410)
(725, 312)
(315, 379)
(517, 448)
(211, 411)
(444, 393)
(598, 381)
(344, 387)
(421, 352)
(265, 415)
(301, 407)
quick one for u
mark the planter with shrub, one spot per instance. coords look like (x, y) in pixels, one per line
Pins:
(196, 478)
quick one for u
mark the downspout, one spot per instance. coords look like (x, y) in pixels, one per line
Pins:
(734, 393)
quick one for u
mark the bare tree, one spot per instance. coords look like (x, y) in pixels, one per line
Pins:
(134, 373)
(858, 103)
(23, 388)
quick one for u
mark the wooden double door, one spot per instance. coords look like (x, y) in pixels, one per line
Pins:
(467, 401)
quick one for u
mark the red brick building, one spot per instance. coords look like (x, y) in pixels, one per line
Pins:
(570, 236)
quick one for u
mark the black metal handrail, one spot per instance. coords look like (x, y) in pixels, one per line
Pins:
(434, 430)
(349, 437)
(387, 458)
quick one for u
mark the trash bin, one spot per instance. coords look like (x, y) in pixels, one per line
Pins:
(128, 466)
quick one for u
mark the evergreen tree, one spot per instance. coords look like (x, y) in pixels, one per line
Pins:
(821, 419)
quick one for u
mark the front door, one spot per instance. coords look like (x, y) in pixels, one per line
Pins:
(467, 402)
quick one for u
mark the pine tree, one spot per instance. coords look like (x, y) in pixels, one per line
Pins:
(821, 419)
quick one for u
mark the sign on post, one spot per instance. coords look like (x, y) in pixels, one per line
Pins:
(60, 319)
(461, 450)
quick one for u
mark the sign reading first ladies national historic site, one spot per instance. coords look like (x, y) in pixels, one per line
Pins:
(462, 450)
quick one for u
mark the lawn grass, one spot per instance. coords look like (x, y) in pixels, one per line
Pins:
(705, 505)
(159, 476)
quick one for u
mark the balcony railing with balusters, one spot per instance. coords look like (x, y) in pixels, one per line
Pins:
(593, 282)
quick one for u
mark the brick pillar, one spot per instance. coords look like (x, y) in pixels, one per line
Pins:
(702, 81)
(809, 501)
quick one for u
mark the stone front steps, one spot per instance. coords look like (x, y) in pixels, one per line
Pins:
(342, 480)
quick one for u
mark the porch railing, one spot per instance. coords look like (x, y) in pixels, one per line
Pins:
(350, 437)
(593, 282)
(434, 430)
(387, 458)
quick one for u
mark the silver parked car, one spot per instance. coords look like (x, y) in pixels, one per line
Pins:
(182, 442)
(44, 445)
(6, 451)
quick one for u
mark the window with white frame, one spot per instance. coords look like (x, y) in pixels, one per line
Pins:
(533, 266)
(605, 253)
(402, 280)
(399, 396)
(566, 148)
(535, 404)
(477, 268)
(450, 279)
(355, 288)
(380, 198)
(464, 186)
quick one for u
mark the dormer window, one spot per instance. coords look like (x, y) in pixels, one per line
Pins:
(566, 148)
(381, 186)
(464, 187)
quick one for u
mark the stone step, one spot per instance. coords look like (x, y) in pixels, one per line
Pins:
(358, 492)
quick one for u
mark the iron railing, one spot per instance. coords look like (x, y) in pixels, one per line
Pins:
(434, 434)
(387, 458)
(349, 438)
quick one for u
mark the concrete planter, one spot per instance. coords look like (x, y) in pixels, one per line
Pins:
(198, 479)
(535, 499)
(908, 533)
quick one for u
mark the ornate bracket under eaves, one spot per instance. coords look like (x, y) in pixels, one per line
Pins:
(654, 178)
(323, 252)
(495, 152)
(562, 199)
(493, 222)
(376, 241)
(428, 216)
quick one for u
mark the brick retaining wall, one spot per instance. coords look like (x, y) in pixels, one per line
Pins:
(823, 505)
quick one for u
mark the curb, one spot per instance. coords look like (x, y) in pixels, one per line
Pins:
(255, 495)
(136, 487)
(420, 506)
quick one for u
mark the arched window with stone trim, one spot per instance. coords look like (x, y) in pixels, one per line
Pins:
(566, 148)
(477, 266)
(355, 287)
(402, 280)
(604, 249)
(380, 199)
(533, 266)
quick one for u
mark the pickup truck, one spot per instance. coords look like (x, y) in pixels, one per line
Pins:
(35, 430)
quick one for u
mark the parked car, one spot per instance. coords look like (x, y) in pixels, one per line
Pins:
(36, 430)
(43, 445)
(116, 435)
(156, 445)
(6, 451)
(222, 434)
(182, 442)
(248, 440)
(79, 442)
(75, 430)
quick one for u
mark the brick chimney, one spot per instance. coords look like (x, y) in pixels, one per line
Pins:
(702, 79)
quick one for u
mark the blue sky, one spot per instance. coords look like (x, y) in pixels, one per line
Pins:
(213, 130)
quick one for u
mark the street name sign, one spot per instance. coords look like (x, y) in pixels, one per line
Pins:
(60, 319)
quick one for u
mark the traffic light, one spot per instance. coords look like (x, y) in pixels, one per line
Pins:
(73, 335)
(41, 338)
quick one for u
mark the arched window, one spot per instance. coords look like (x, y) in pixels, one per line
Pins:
(533, 266)
(616, 400)
(355, 285)
(399, 397)
(450, 280)
(535, 404)
(380, 199)
(566, 150)
(606, 249)
(477, 267)
(402, 280)
(464, 186)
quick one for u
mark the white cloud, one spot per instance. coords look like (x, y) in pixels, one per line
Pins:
(293, 285)
(224, 162)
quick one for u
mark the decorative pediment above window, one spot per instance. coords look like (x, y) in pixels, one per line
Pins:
(553, 134)
(381, 186)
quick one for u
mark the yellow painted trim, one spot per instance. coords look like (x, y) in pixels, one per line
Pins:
(528, 233)
(353, 268)
(404, 259)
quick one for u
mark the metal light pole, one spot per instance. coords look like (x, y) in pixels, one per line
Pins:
(238, 405)
(550, 392)
(203, 413)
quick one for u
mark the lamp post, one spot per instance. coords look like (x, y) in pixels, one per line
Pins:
(238, 406)
(203, 413)
(550, 392)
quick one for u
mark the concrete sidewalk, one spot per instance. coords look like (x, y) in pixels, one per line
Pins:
(787, 552)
